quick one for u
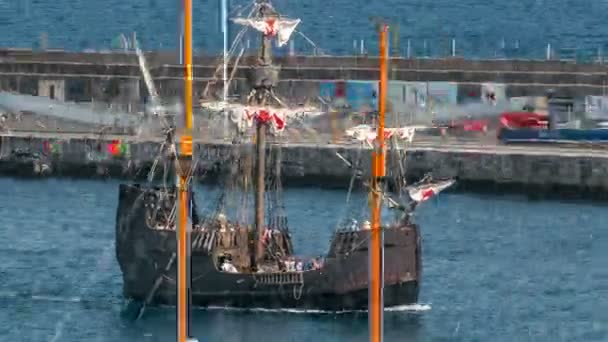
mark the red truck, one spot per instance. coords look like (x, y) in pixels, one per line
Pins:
(512, 120)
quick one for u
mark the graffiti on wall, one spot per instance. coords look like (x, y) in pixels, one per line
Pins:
(538, 104)
(410, 101)
(416, 102)
(407, 95)
(360, 96)
(442, 94)
(52, 148)
(100, 151)
(596, 107)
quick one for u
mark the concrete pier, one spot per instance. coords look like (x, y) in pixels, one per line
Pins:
(113, 81)
(540, 167)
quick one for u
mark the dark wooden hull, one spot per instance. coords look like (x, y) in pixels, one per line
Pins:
(287, 298)
(341, 284)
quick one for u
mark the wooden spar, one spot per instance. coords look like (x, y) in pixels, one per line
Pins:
(376, 266)
(184, 162)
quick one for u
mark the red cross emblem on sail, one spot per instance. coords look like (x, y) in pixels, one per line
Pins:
(427, 193)
(278, 122)
(271, 28)
(264, 116)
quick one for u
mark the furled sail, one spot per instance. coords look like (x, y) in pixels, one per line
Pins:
(279, 27)
(368, 133)
(244, 116)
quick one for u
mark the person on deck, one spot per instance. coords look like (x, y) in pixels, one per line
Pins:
(223, 222)
(316, 264)
(227, 266)
(366, 226)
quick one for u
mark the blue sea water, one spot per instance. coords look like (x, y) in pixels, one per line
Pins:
(496, 268)
(480, 28)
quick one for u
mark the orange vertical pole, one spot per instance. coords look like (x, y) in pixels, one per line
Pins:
(184, 161)
(182, 303)
(376, 267)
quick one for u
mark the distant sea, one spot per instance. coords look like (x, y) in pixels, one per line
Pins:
(480, 28)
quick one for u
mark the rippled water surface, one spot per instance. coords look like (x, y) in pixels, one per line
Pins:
(495, 269)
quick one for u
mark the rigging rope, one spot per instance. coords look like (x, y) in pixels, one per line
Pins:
(229, 53)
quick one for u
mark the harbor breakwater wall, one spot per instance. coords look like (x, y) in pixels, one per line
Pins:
(116, 77)
(319, 165)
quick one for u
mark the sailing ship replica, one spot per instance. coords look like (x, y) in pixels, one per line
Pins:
(238, 264)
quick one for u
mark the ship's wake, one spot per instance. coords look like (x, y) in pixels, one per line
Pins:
(421, 307)
(15, 295)
(38, 297)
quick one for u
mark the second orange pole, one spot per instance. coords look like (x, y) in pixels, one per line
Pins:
(184, 162)
(376, 267)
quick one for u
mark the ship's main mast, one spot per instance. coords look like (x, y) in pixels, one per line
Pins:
(265, 76)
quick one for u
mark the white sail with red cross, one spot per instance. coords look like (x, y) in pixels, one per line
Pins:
(277, 118)
(369, 133)
(281, 28)
(245, 116)
(423, 192)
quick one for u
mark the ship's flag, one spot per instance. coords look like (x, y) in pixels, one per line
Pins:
(114, 148)
(281, 28)
(117, 148)
(51, 147)
(424, 192)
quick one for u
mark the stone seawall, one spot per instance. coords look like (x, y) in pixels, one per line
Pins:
(535, 168)
(116, 77)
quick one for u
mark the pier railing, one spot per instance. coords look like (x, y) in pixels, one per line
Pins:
(406, 47)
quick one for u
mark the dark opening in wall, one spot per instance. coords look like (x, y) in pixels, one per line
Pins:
(78, 90)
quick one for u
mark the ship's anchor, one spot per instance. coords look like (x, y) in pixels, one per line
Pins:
(297, 294)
